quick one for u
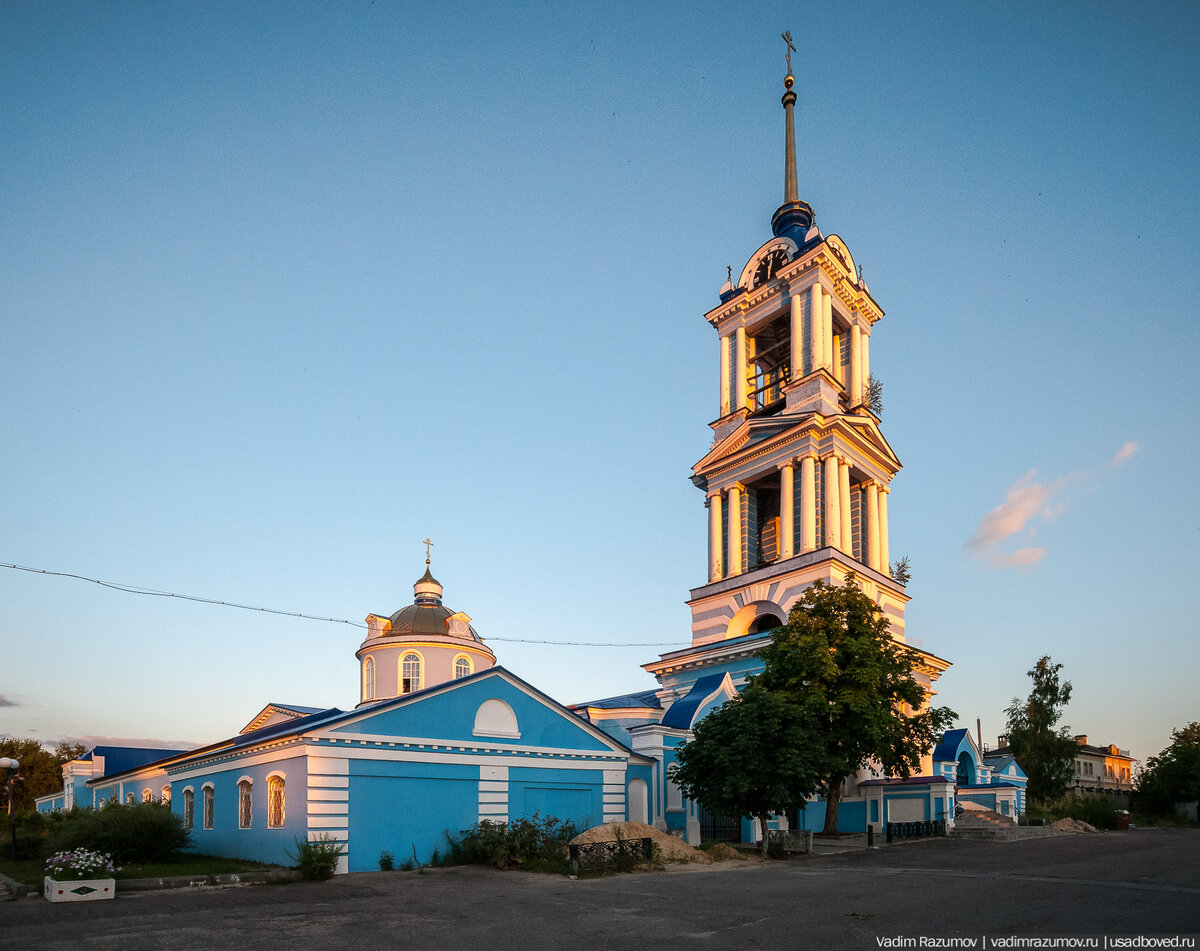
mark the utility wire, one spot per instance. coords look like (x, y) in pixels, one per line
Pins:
(154, 593)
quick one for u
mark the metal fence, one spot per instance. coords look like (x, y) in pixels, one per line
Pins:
(915, 830)
(623, 853)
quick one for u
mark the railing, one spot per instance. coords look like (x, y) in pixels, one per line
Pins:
(623, 853)
(790, 840)
(915, 830)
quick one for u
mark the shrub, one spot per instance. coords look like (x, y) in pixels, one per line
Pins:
(317, 860)
(533, 844)
(132, 835)
(387, 861)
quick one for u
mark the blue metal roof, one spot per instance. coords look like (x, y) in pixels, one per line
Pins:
(683, 710)
(646, 698)
(119, 759)
(947, 748)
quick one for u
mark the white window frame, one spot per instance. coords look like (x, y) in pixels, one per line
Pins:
(369, 679)
(189, 808)
(420, 678)
(245, 788)
(464, 659)
(209, 805)
(276, 786)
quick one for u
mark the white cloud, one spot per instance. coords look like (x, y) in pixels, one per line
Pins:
(1027, 504)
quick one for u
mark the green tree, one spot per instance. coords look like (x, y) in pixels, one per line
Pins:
(854, 684)
(749, 758)
(40, 771)
(1173, 775)
(1045, 753)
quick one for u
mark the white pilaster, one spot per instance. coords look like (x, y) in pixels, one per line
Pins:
(844, 486)
(739, 367)
(787, 510)
(872, 558)
(833, 509)
(716, 562)
(808, 503)
(856, 377)
(816, 317)
(797, 342)
(827, 327)
(735, 529)
(866, 364)
(724, 374)
(884, 556)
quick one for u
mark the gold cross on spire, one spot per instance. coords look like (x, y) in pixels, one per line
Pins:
(427, 543)
(787, 38)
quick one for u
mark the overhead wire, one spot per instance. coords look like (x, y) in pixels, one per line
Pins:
(155, 593)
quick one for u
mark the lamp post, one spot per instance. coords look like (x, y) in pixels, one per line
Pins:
(10, 766)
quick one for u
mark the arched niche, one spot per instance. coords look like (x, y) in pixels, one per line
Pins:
(496, 718)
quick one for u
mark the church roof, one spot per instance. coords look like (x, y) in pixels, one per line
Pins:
(645, 698)
(119, 759)
(424, 619)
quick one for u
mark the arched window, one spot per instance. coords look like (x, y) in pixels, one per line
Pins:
(369, 679)
(245, 802)
(208, 807)
(147, 795)
(129, 799)
(275, 802)
(165, 795)
(410, 672)
(462, 666)
(189, 802)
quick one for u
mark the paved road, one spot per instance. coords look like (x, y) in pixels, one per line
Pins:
(1141, 882)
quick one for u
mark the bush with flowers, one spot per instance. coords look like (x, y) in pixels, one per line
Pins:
(80, 864)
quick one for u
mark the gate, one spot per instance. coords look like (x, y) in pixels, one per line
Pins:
(718, 828)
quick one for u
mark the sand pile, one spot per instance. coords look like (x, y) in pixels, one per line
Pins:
(723, 852)
(670, 849)
(1072, 825)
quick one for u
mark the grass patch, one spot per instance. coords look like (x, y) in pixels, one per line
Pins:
(31, 871)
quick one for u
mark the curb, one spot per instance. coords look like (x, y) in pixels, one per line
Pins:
(268, 876)
(11, 890)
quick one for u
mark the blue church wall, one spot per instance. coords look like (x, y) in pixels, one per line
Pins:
(567, 794)
(225, 838)
(852, 816)
(408, 814)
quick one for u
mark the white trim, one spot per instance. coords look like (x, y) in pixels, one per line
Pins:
(461, 745)
(493, 797)
(328, 822)
(422, 756)
(328, 795)
(326, 808)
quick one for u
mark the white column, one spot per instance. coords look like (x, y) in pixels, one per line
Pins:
(833, 509)
(866, 363)
(797, 354)
(716, 563)
(725, 375)
(872, 500)
(739, 367)
(856, 377)
(816, 316)
(827, 328)
(884, 556)
(787, 510)
(808, 503)
(847, 529)
(735, 529)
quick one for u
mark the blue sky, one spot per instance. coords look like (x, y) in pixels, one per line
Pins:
(287, 288)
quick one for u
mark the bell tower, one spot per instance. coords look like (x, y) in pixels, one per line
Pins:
(798, 475)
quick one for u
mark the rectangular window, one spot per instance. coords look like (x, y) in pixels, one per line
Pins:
(208, 807)
(245, 804)
(188, 803)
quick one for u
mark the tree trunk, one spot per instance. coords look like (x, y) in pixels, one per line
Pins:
(832, 798)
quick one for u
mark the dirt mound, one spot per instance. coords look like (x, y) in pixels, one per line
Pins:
(670, 849)
(723, 852)
(1072, 825)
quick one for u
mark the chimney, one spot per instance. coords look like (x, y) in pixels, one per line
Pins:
(1081, 740)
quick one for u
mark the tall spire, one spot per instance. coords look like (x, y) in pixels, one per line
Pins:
(794, 216)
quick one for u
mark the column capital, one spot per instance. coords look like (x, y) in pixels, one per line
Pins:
(786, 464)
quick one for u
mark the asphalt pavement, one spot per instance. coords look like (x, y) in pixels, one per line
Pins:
(929, 893)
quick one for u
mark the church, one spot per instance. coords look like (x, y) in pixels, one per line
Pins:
(796, 484)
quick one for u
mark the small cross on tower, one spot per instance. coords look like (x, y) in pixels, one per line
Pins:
(427, 543)
(787, 38)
